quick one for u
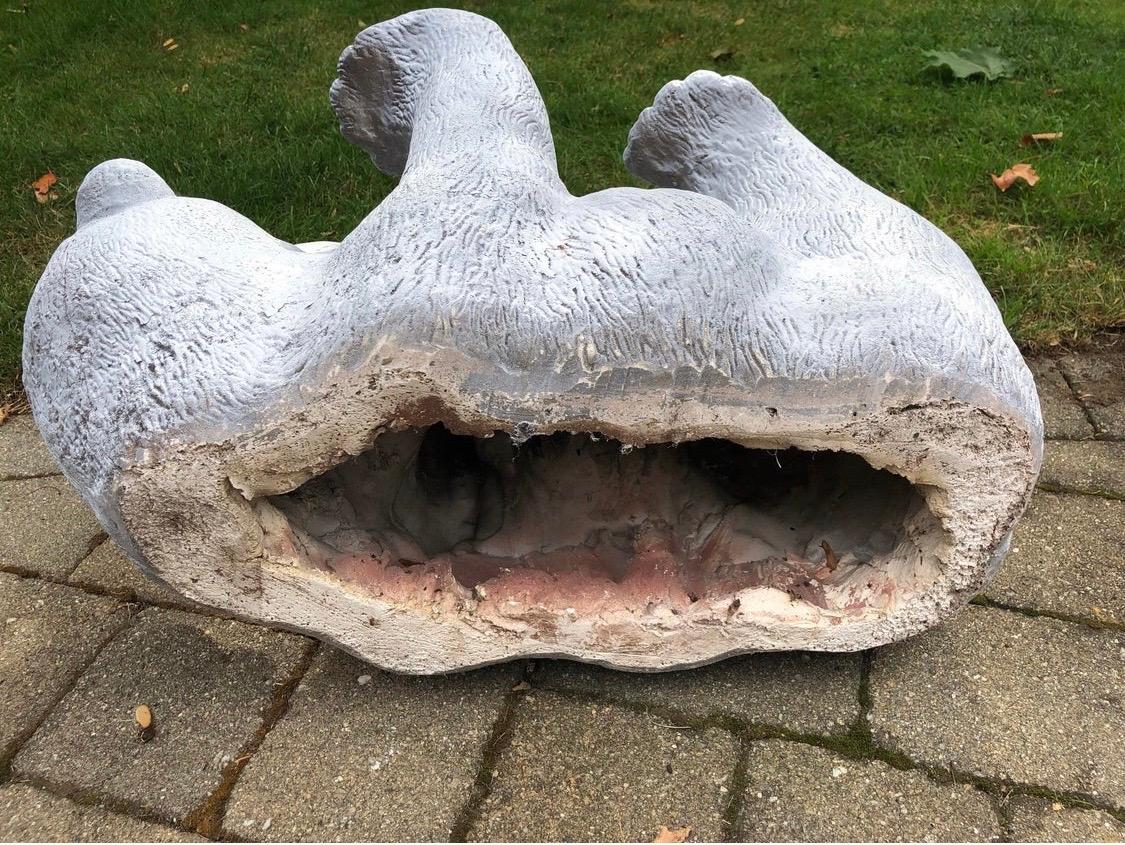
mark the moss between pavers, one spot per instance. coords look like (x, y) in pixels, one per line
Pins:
(1008, 699)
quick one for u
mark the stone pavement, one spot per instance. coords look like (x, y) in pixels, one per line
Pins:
(1008, 723)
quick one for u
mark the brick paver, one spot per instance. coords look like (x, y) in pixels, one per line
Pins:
(1040, 820)
(577, 770)
(806, 693)
(1095, 467)
(364, 755)
(1003, 696)
(1066, 558)
(801, 793)
(1063, 415)
(48, 634)
(28, 814)
(22, 450)
(47, 528)
(207, 682)
(1099, 380)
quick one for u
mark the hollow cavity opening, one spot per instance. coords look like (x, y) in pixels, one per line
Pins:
(578, 523)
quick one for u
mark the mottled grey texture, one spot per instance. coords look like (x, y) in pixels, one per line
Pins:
(48, 634)
(1067, 558)
(181, 361)
(800, 793)
(106, 569)
(1003, 696)
(22, 450)
(1063, 415)
(1091, 467)
(28, 814)
(208, 682)
(594, 772)
(47, 527)
(1039, 820)
(1099, 380)
(364, 755)
(807, 693)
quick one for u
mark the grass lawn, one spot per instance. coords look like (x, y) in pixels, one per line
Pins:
(238, 112)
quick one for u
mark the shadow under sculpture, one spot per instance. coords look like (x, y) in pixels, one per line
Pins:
(760, 407)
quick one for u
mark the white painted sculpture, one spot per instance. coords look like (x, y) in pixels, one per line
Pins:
(761, 407)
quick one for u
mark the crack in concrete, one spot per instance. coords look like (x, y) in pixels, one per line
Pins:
(1061, 489)
(1033, 613)
(207, 819)
(30, 476)
(498, 740)
(87, 797)
(1069, 379)
(91, 546)
(733, 813)
(8, 756)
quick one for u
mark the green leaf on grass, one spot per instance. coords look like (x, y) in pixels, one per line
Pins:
(965, 64)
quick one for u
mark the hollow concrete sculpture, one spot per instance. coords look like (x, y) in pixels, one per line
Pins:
(761, 407)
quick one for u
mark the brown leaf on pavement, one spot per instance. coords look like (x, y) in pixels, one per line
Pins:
(146, 730)
(143, 715)
(1014, 173)
(674, 834)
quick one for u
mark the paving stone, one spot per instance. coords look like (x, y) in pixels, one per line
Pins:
(22, 450)
(596, 772)
(1005, 696)
(365, 755)
(1094, 466)
(107, 569)
(48, 634)
(207, 682)
(807, 693)
(1037, 820)
(1063, 416)
(47, 528)
(1099, 380)
(32, 815)
(799, 793)
(1066, 558)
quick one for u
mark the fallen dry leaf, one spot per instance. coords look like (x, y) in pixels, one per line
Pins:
(42, 186)
(185, 88)
(1039, 138)
(1016, 172)
(721, 54)
(521, 686)
(1052, 92)
(740, 22)
(674, 834)
(245, 27)
(830, 559)
(146, 730)
(143, 715)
